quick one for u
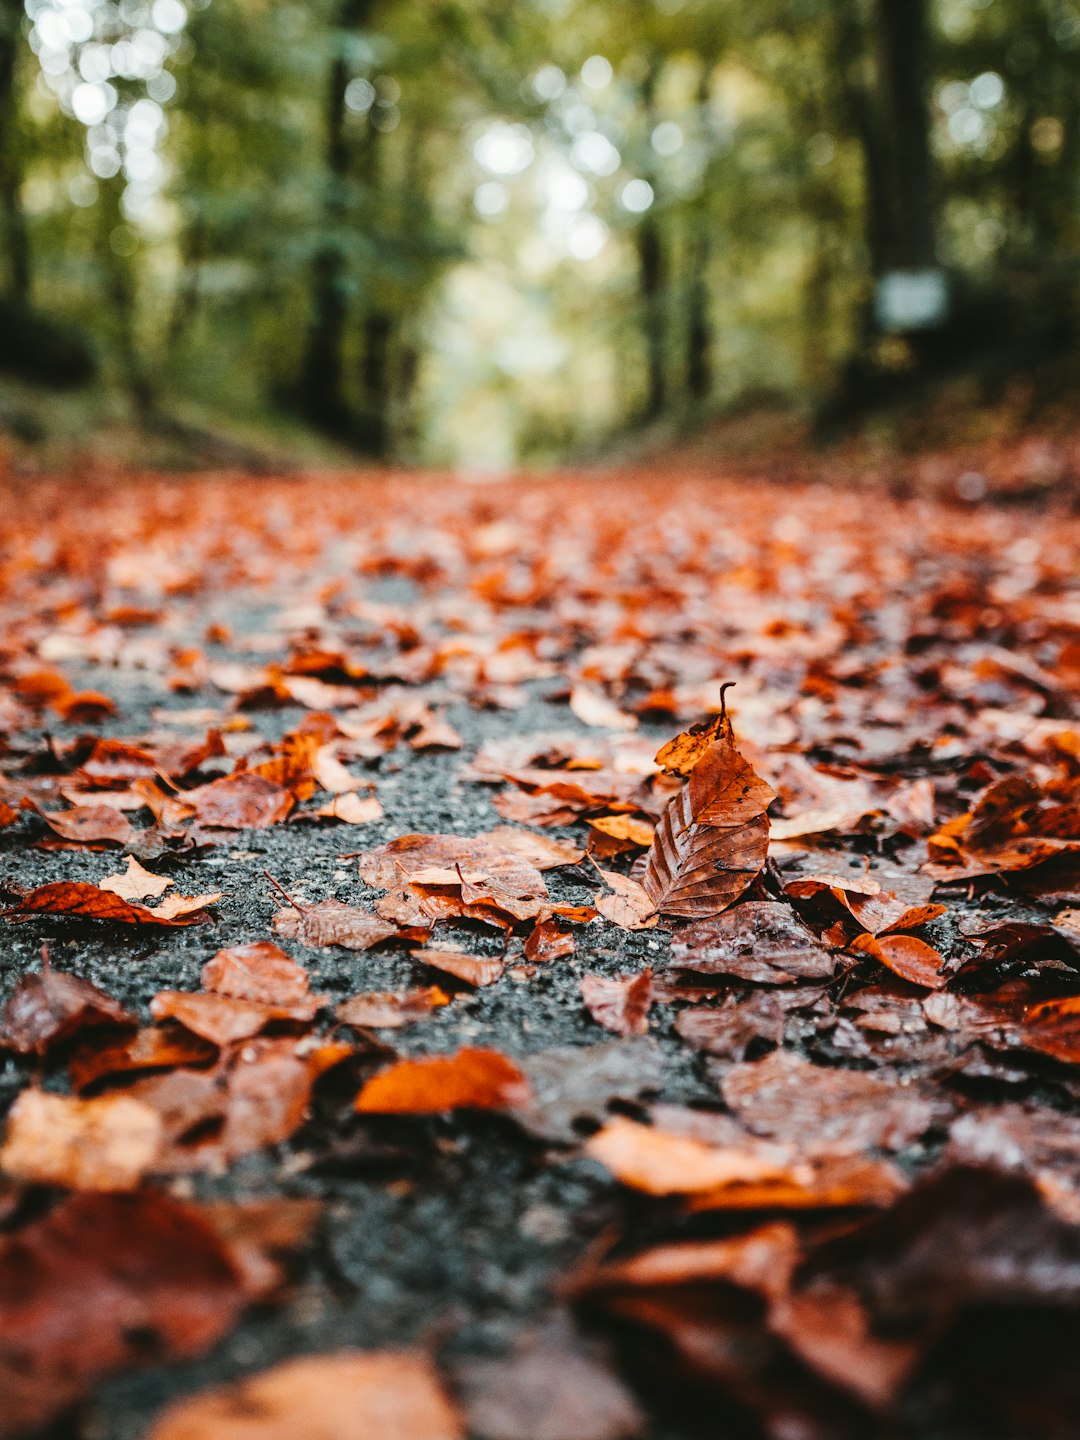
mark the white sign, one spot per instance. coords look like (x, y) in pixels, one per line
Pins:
(911, 300)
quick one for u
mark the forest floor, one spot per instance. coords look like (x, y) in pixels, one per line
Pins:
(624, 1099)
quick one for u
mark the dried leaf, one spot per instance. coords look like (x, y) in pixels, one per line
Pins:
(473, 969)
(351, 1395)
(135, 883)
(663, 1164)
(48, 1007)
(75, 899)
(103, 1283)
(391, 1010)
(225, 1019)
(548, 942)
(103, 1144)
(471, 1079)
(258, 971)
(630, 907)
(713, 837)
(907, 956)
(332, 923)
(85, 824)
(758, 941)
(351, 809)
(243, 801)
(621, 1005)
(594, 709)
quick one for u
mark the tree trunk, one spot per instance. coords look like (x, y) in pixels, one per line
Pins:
(909, 241)
(699, 333)
(652, 281)
(321, 386)
(16, 240)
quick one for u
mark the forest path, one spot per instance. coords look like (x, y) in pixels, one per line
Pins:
(483, 656)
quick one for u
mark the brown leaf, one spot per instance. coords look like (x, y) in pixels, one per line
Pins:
(630, 907)
(152, 1048)
(624, 827)
(470, 1079)
(256, 1095)
(713, 837)
(135, 883)
(239, 802)
(391, 1010)
(473, 969)
(75, 899)
(621, 1005)
(660, 1163)
(1053, 1028)
(839, 1112)
(103, 1144)
(85, 824)
(351, 1395)
(104, 1283)
(351, 809)
(332, 923)
(548, 942)
(225, 1019)
(492, 876)
(543, 852)
(258, 971)
(49, 1006)
(758, 941)
(907, 956)
(593, 708)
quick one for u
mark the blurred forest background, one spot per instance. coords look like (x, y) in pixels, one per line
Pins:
(479, 232)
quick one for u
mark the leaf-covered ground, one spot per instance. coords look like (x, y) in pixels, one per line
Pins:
(432, 1010)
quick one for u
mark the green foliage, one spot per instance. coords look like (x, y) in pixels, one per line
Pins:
(476, 231)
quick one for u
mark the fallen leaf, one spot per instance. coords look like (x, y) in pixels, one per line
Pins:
(594, 709)
(75, 899)
(104, 1144)
(547, 942)
(713, 837)
(258, 971)
(85, 824)
(239, 802)
(471, 1079)
(104, 1283)
(49, 1006)
(382, 1010)
(152, 1048)
(907, 956)
(660, 1163)
(838, 1112)
(473, 969)
(351, 809)
(624, 827)
(630, 907)
(621, 1005)
(225, 1019)
(135, 883)
(351, 1395)
(329, 922)
(758, 941)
